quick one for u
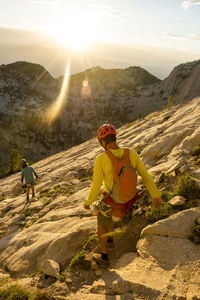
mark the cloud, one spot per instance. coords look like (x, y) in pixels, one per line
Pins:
(48, 2)
(187, 4)
(194, 36)
(170, 35)
(107, 13)
(190, 36)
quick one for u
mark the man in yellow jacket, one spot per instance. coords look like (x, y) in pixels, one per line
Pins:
(103, 173)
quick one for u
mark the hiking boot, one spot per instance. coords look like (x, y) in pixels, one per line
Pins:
(103, 263)
(27, 198)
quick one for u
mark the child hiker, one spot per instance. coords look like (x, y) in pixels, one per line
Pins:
(27, 173)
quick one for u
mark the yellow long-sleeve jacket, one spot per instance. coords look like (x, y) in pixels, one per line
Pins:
(103, 173)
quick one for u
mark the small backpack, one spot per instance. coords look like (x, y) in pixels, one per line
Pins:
(124, 177)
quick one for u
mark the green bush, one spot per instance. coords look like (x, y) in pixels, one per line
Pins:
(2, 198)
(166, 196)
(154, 214)
(43, 296)
(196, 151)
(3, 169)
(13, 166)
(77, 257)
(14, 292)
(196, 231)
(187, 187)
(14, 160)
(171, 100)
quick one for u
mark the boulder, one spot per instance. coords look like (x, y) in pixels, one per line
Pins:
(50, 267)
(178, 225)
(126, 259)
(168, 252)
(177, 201)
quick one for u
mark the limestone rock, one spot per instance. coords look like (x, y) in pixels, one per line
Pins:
(50, 267)
(94, 266)
(168, 251)
(177, 200)
(125, 259)
(56, 226)
(178, 225)
(137, 212)
(136, 90)
(98, 272)
(70, 175)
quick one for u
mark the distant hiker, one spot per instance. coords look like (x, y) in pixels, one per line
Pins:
(27, 173)
(116, 168)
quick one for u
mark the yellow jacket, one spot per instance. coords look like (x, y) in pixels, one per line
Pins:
(103, 172)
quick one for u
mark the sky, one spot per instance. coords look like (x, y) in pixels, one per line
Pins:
(79, 24)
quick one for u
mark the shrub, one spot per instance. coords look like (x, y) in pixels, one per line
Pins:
(14, 292)
(196, 151)
(187, 187)
(77, 257)
(166, 118)
(166, 196)
(171, 100)
(154, 214)
(2, 198)
(196, 231)
(3, 169)
(14, 160)
(43, 296)
(14, 164)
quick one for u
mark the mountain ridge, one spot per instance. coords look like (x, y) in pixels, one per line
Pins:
(116, 96)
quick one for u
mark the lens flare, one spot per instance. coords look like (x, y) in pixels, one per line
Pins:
(86, 90)
(85, 83)
(60, 101)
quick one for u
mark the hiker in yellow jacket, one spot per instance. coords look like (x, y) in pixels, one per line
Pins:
(103, 173)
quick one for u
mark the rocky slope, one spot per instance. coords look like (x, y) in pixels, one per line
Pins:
(161, 263)
(95, 96)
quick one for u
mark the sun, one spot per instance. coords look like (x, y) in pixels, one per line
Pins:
(75, 30)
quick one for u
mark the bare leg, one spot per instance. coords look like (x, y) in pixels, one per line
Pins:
(27, 191)
(103, 239)
(111, 226)
(32, 187)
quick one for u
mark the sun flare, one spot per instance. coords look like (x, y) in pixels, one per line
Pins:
(56, 107)
(75, 30)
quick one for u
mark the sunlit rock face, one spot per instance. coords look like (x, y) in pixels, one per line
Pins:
(28, 94)
(148, 262)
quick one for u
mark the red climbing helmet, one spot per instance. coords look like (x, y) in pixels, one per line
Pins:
(105, 130)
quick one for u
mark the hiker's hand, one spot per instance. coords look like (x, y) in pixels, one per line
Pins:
(156, 202)
(86, 206)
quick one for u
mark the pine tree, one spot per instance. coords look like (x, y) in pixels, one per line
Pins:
(14, 161)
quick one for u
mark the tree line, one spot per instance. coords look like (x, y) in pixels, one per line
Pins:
(13, 165)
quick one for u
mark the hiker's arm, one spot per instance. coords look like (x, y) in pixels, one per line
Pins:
(96, 183)
(22, 176)
(146, 177)
(36, 175)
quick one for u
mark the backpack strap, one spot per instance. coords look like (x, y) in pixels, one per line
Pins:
(117, 162)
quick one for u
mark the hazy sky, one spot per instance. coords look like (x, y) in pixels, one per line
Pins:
(76, 23)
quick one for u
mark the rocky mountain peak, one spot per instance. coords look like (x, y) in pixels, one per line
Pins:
(26, 70)
(184, 81)
(117, 96)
